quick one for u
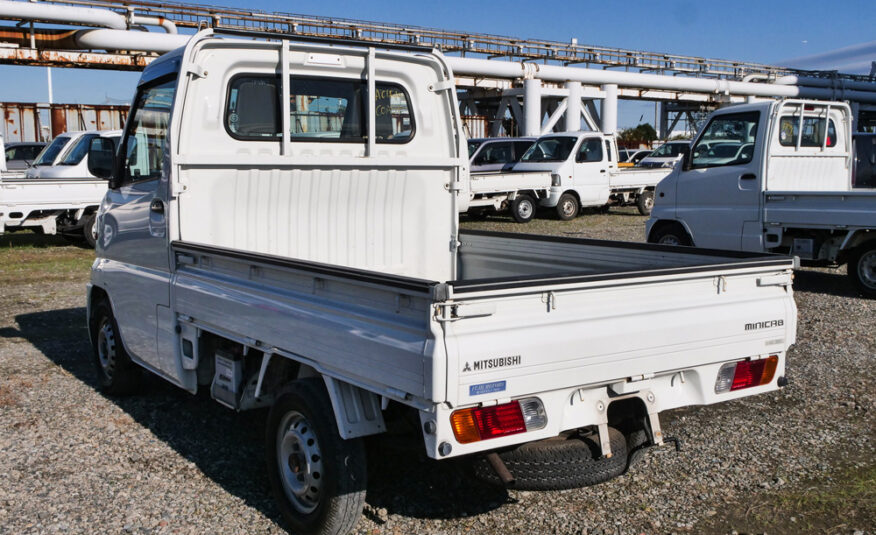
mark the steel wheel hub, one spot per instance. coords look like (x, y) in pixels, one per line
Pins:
(867, 269)
(524, 210)
(106, 347)
(568, 207)
(670, 240)
(300, 462)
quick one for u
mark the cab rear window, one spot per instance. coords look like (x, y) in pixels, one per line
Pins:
(320, 110)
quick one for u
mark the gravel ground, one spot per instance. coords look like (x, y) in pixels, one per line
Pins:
(75, 461)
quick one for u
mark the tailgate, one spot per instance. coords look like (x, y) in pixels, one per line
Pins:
(510, 343)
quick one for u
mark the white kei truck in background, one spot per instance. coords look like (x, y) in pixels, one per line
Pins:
(66, 206)
(786, 189)
(585, 173)
(281, 228)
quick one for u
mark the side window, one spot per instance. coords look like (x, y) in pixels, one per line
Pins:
(494, 153)
(320, 109)
(146, 138)
(590, 151)
(813, 132)
(727, 140)
(520, 148)
(608, 149)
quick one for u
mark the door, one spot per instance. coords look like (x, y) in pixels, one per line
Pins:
(133, 227)
(719, 195)
(591, 172)
(494, 156)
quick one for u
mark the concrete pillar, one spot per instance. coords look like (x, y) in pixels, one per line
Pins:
(609, 109)
(573, 107)
(532, 107)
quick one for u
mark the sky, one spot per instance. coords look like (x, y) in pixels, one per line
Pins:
(803, 32)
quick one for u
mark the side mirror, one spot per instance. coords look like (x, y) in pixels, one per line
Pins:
(685, 158)
(101, 156)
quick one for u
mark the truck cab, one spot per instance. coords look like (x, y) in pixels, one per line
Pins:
(579, 162)
(756, 180)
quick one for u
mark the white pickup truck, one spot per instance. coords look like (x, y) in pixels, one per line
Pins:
(584, 167)
(64, 206)
(281, 228)
(766, 185)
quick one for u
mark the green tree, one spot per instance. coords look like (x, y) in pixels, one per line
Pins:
(633, 137)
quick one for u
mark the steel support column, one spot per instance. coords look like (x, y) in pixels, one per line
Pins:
(532, 107)
(609, 109)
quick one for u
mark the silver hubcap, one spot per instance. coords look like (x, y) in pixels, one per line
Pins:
(524, 209)
(93, 229)
(670, 239)
(649, 202)
(299, 461)
(106, 347)
(568, 208)
(867, 269)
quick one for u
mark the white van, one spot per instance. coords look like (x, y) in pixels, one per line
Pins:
(67, 155)
(665, 156)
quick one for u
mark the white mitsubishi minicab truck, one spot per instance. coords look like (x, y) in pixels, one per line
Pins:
(281, 229)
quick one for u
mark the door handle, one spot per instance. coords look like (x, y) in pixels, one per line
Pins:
(602, 170)
(748, 176)
(156, 206)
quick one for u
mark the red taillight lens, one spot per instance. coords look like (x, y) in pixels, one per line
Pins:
(500, 420)
(481, 423)
(754, 372)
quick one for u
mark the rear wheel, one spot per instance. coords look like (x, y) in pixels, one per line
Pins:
(565, 462)
(671, 235)
(862, 269)
(567, 207)
(645, 202)
(318, 478)
(523, 209)
(115, 372)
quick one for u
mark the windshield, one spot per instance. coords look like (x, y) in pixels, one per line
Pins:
(550, 149)
(48, 155)
(78, 150)
(473, 146)
(668, 150)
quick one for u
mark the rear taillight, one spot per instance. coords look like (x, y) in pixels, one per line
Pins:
(745, 374)
(481, 423)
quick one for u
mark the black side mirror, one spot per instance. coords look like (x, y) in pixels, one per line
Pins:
(685, 158)
(101, 156)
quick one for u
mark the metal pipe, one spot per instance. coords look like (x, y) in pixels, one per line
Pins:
(129, 40)
(556, 73)
(811, 81)
(169, 26)
(609, 109)
(532, 107)
(573, 107)
(65, 14)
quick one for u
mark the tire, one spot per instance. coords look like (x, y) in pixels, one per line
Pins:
(645, 202)
(523, 209)
(559, 463)
(862, 269)
(116, 374)
(671, 235)
(318, 479)
(567, 207)
(89, 230)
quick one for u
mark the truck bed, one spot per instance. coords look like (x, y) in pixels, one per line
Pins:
(576, 312)
(821, 209)
(486, 183)
(19, 198)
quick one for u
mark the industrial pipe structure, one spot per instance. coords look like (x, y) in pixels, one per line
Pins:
(80, 16)
(556, 73)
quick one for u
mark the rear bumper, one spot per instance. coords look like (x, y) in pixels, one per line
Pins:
(588, 405)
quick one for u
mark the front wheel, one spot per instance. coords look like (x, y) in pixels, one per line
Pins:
(567, 207)
(645, 202)
(89, 230)
(671, 235)
(523, 209)
(862, 269)
(116, 373)
(317, 478)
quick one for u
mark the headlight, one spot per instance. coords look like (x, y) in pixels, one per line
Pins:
(669, 164)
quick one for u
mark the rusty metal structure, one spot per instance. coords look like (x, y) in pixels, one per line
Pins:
(23, 121)
(235, 21)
